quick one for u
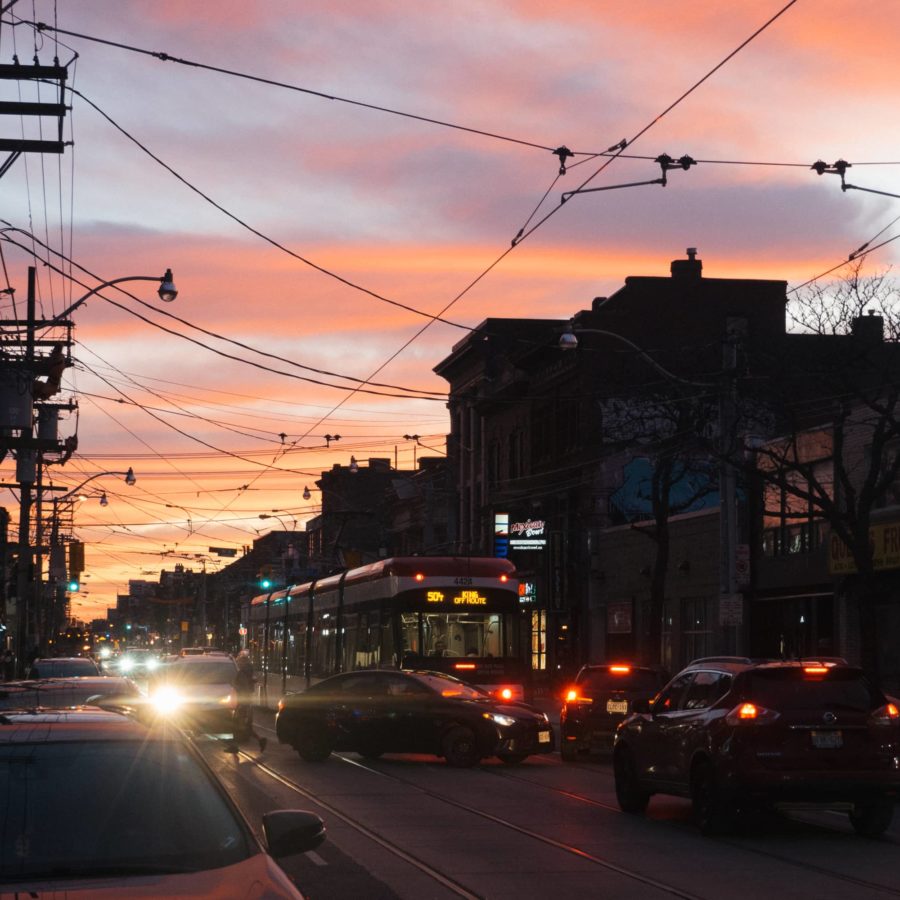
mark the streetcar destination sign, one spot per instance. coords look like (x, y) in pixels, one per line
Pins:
(464, 598)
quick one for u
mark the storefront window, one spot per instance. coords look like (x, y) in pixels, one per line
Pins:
(538, 640)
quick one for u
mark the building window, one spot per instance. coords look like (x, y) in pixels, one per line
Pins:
(538, 640)
(791, 523)
(696, 628)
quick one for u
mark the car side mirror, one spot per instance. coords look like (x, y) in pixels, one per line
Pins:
(640, 706)
(291, 831)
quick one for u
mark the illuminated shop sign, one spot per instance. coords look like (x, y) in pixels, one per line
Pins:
(528, 535)
(527, 592)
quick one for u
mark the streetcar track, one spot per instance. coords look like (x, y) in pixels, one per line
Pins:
(454, 886)
(571, 795)
(821, 870)
(634, 875)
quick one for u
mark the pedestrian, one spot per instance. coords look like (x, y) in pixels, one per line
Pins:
(243, 713)
(8, 665)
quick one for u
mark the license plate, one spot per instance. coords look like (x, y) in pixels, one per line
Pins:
(827, 740)
(543, 737)
(617, 706)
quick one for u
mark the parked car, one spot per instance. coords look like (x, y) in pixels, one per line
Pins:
(598, 700)
(62, 667)
(735, 735)
(63, 692)
(197, 691)
(99, 805)
(373, 712)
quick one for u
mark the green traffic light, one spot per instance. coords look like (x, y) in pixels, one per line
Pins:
(73, 586)
(265, 584)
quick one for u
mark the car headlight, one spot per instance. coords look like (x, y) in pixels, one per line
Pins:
(126, 665)
(500, 719)
(546, 718)
(167, 700)
(152, 664)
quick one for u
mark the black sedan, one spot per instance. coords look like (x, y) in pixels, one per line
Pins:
(373, 712)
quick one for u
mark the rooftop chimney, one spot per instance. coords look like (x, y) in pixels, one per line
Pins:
(687, 268)
(869, 328)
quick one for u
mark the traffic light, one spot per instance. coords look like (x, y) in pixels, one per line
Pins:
(264, 578)
(76, 565)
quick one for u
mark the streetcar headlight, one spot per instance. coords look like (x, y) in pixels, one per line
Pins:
(500, 719)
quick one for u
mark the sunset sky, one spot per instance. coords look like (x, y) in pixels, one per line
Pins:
(249, 190)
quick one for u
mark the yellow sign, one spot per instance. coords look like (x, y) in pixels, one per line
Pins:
(435, 597)
(470, 598)
(885, 541)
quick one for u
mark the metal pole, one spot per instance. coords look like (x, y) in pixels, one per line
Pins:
(25, 477)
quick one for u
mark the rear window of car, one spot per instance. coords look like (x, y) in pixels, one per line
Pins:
(792, 688)
(67, 668)
(637, 680)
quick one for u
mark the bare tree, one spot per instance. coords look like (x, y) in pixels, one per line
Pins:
(668, 431)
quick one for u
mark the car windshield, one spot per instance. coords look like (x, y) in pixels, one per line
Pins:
(637, 680)
(81, 808)
(203, 673)
(792, 689)
(63, 668)
(450, 687)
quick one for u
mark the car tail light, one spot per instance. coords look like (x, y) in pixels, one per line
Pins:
(505, 693)
(620, 670)
(751, 714)
(815, 670)
(572, 696)
(888, 714)
(466, 666)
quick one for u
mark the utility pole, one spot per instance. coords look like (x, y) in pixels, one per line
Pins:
(25, 473)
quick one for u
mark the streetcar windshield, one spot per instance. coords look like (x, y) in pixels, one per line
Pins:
(453, 634)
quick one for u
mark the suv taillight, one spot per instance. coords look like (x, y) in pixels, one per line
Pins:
(886, 715)
(572, 696)
(751, 714)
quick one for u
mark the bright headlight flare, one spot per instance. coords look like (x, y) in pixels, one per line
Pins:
(126, 664)
(228, 700)
(152, 664)
(500, 719)
(167, 700)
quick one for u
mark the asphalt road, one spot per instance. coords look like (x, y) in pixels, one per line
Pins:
(410, 827)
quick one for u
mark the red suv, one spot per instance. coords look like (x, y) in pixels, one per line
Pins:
(735, 734)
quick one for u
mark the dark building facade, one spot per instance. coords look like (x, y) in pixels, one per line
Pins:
(557, 456)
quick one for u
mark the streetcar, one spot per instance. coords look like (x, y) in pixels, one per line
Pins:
(457, 615)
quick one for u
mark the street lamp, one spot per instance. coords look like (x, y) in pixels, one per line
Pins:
(167, 291)
(129, 477)
(306, 493)
(354, 465)
(273, 516)
(568, 340)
